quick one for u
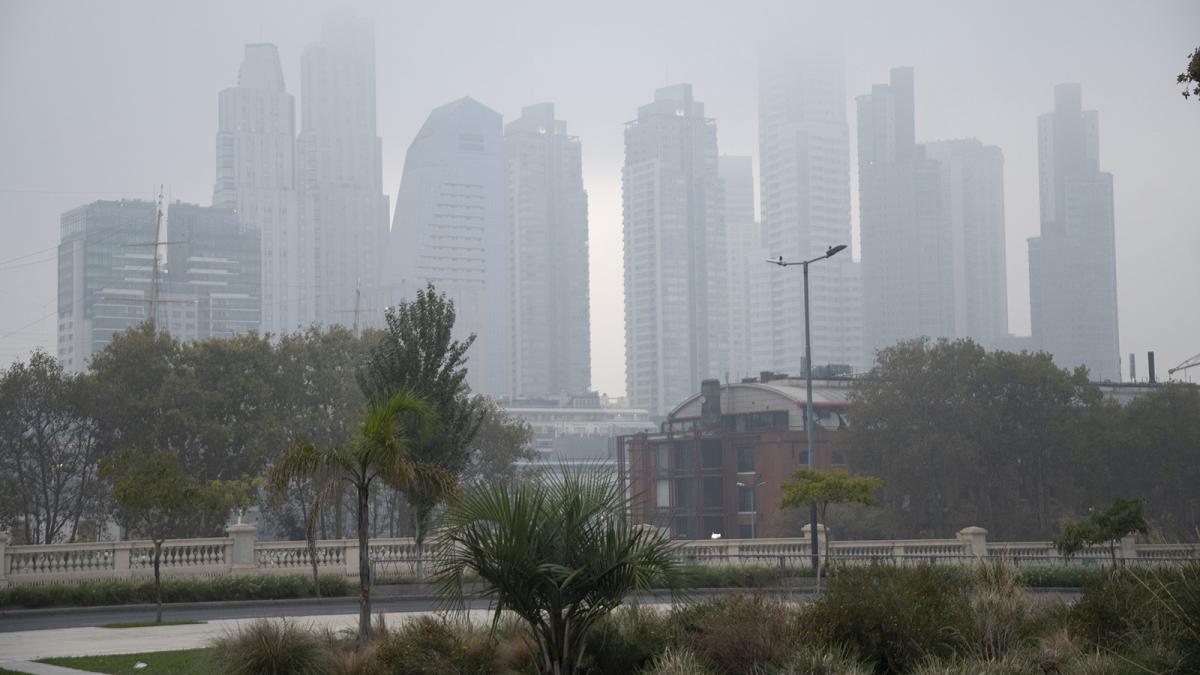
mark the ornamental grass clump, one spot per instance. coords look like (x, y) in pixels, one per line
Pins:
(271, 647)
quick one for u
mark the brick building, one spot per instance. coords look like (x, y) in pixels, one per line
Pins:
(719, 458)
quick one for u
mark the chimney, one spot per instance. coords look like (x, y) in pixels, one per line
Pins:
(1150, 366)
(710, 408)
(1132, 368)
(765, 376)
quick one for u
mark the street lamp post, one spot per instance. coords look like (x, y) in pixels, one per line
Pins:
(808, 402)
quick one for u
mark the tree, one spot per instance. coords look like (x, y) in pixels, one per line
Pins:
(962, 436)
(822, 488)
(501, 442)
(159, 499)
(49, 454)
(1123, 517)
(418, 353)
(1190, 77)
(1157, 456)
(558, 553)
(379, 452)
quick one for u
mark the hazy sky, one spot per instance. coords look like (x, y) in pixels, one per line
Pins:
(109, 99)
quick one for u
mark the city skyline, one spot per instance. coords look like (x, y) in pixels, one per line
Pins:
(602, 202)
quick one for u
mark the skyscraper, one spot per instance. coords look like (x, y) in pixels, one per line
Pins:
(450, 230)
(339, 166)
(744, 254)
(676, 322)
(804, 178)
(547, 214)
(209, 282)
(255, 149)
(932, 225)
(1072, 265)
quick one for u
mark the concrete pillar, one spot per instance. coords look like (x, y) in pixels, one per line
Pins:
(242, 559)
(121, 554)
(822, 533)
(351, 557)
(975, 540)
(1128, 548)
(5, 535)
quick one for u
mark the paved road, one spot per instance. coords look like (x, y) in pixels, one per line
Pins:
(393, 602)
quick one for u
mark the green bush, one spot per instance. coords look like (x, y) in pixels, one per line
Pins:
(737, 633)
(429, 646)
(740, 576)
(894, 617)
(271, 647)
(1059, 577)
(676, 661)
(626, 640)
(833, 660)
(95, 593)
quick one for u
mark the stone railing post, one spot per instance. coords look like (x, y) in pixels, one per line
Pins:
(241, 559)
(351, 557)
(822, 533)
(1128, 549)
(122, 569)
(975, 540)
(4, 537)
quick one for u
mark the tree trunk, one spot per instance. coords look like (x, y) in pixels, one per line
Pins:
(364, 568)
(312, 558)
(157, 581)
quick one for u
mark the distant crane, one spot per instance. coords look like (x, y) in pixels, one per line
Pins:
(1194, 361)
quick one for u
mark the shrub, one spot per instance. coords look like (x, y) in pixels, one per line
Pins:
(737, 633)
(835, 660)
(676, 661)
(429, 646)
(1015, 663)
(270, 647)
(998, 622)
(1059, 577)
(626, 640)
(122, 592)
(892, 616)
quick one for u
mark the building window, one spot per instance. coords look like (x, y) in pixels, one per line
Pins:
(713, 453)
(745, 460)
(714, 525)
(745, 499)
(714, 493)
(663, 451)
(745, 531)
(685, 493)
(684, 457)
(682, 528)
(663, 493)
(804, 459)
(839, 459)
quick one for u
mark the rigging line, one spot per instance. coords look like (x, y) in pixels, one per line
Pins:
(31, 323)
(37, 191)
(5, 268)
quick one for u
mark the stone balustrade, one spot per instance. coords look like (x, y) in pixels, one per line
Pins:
(241, 553)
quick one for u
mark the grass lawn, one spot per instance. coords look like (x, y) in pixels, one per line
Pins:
(147, 624)
(5, 671)
(181, 662)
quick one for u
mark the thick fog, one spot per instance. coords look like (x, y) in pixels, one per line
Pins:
(108, 100)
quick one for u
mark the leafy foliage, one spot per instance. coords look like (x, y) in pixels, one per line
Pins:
(123, 592)
(739, 633)
(559, 553)
(961, 436)
(49, 452)
(1123, 517)
(1190, 77)
(822, 488)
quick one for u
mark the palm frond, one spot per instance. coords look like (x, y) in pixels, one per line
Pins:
(302, 460)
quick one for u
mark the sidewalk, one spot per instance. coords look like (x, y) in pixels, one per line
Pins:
(19, 648)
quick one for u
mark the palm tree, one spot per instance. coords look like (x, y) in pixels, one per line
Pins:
(379, 451)
(560, 553)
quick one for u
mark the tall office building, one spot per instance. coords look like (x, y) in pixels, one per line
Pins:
(255, 149)
(450, 230)
(547, 216)
(932, 225)
(804, 179)
(209, 282)
(972, 182)
(339, 167)
(676, 323)
(744, 253)
(1072, 265)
